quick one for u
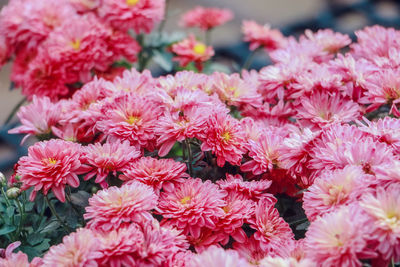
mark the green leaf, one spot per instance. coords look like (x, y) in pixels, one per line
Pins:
(29, 206)
(303, 226)
(7, 229)
(50, 227)
(80, 198)
(10, 211)
(35, 238)
(164, 60)
(44, 245)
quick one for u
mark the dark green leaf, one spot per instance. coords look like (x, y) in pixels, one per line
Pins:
(303, 226)
(164, 60)
(7, 229)
(44, 245)
(10, 211)
(35, 238)
(51, 227)
(29, 206)
(80, 198)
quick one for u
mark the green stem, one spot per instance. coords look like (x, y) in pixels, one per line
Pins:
(207, 37)
(249, 60)
(53, 210)
(190, 157)
(392, 263)
(5, 197)
(15, 110)
(21, 219)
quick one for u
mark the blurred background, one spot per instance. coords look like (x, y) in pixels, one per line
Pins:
(291, 16)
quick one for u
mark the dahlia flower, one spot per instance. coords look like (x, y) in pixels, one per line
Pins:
(339, 238)
(225, 138)
(190, 50)
(51, 165)
(383, 209)
(139, 15)
(262, 36)
(206, 18)
(218, 257)
(79, 249)
(108, 158)
(115, 207)
(155, 172)
(192, 205)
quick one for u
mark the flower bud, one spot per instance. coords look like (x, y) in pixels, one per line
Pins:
(94, 189)
(3, 180)
(13, 192)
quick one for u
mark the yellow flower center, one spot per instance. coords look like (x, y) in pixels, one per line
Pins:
(132, 119)
(200, 49)
(226, 209)
(76, 45)
(52, 161)
(226, 136)
(132, 2)
(185, 200)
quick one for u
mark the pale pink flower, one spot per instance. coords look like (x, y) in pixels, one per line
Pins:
(272, 115)
(115, 207)
(225, 138)
(51, 165)
(108, 158)
(157, 173)
(136, 82)
(388, 173)
(190, 50)
(206, 18)
(339, 238)
(383, 209)
(329, 40)
(262, 36)
(85, 5)
(218, 257)
(192, 205)
(333, 189)
(139, 15)
(250, 250)
(286, 262)
(38, 117)
(79, 249)
(10, 259)
(189, 80)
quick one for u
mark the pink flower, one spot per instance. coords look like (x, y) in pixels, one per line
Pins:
(139, 15)
(130, 117)
(383, 209)
(77, 249)
(218, 257)
(85, 5)
(334, 189)
(329, 40)
(19, 259)
(272, 231)
(190, 50)
(339, 238)
(262, 36)
(225, 138)
(155, 172)
(108, 158)
(51, 165)
(115, 207)
(192, 206)
(250, 250)
(206, 18)
(4, 51)
(38, 117)
(133, 81)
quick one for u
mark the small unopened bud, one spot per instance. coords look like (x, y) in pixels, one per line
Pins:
(3, 180)
(13, 192)
(94, 189)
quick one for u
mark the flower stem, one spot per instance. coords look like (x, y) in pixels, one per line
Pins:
(22, 215)
(5, 197)
(207, 37)
(190, 156)
(249, 60)
(53, 210)
(15, 110)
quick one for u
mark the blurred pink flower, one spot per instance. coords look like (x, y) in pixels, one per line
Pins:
(206, 18)
(218, 257)
(262, 36)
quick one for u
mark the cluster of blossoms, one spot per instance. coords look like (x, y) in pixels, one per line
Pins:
(298, 127)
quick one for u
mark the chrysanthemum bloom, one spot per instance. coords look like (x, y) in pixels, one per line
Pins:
(329, 40)
(190, 50)
(272, 231)
(4, 51)
(133, 81)
(108, 158)
(192, 205)
(139, 15)
(130, 117)
(388, 173)
(236, 91)
(181, 259)
(321, 109)
(250, 250)
(262, 36)
(339, 238)
(383, 209)
(38, 117)
(155, 172)
(188, 80)
(77, 249)
(225, 138)
(19, 259)
(85, 5)
(206, 18)
(253, 190)
(264, 153)
(334, 189)
(120, 247)
(218, 257)
(51, 165)
(286, 262)
(123, 46)
(115, 207)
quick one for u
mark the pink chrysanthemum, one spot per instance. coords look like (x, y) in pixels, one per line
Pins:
(383, 209)
(130, 117)
(253, 190)
(115, 207)
(155, 172)
(19, 259)
(38, 117)
(287, 262)
(139, 15)
(334, 189)
(206, 18)
(133, 81)
(329, 40)
(4, 51)
(262, 36)
(218, 257)
(272, 231)
(83, 6)
(190, 50)
(339, 238)
(51, 165)
(192, 205)
(108, 158)
(225, 138)
(77, 249)
(250, 250)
